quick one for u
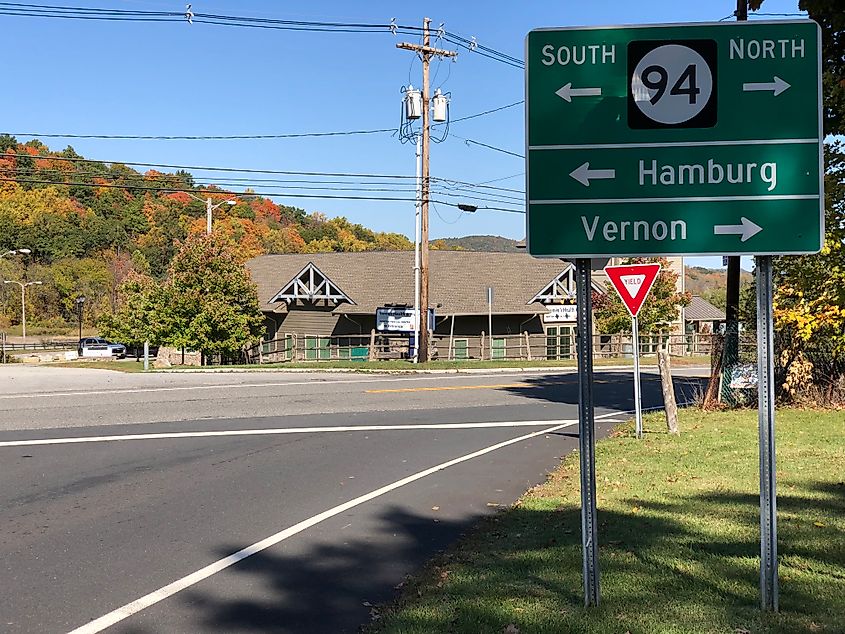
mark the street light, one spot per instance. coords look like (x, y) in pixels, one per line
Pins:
(79, 302)
(209, 208)
(23, 286)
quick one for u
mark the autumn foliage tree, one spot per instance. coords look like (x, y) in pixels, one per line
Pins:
(661, 307)
(208, 302)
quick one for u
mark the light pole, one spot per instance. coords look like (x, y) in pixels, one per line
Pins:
(23, 286)
(79, 302)
(16, 252)
(210, 208)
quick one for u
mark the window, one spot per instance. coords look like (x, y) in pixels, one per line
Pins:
(460, 349)
(317, 348)
(560, 341)
(289, 347)
(499, 349)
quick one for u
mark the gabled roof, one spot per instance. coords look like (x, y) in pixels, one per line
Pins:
(310, 284)
(702, 310)
(562, 287)
(458, 282)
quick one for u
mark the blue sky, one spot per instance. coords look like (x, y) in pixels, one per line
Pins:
(67, 76)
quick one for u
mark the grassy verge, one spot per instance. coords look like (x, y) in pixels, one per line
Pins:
(120, 365)
(678, 538)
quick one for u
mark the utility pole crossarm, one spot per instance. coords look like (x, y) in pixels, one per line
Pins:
(426, 50)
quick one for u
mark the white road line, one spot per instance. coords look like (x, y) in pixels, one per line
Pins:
(316, 382)
(271, 432)
(73, 440)
(121, 613)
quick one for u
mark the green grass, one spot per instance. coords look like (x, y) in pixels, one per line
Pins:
(119, 365)
(678, 540)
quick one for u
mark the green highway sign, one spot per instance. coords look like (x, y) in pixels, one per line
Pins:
(678, 139)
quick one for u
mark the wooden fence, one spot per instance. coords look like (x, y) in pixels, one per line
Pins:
(523, 347)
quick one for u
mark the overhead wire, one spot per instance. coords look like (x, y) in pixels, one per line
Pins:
(126, 15)
(488, 146)
(195, 168)
(168, 190)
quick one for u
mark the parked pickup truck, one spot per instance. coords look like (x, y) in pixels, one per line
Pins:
(94, 347)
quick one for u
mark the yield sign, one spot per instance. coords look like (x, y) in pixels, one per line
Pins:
(633, 282)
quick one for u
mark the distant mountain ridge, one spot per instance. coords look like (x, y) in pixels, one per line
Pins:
(481, 243)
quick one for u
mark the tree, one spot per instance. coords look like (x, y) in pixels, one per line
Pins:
(831, 18)
(209, 302)
(135, 319)
(660, 308)
(809, 303)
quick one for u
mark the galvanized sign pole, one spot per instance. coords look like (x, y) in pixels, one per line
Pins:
(586, 433)
(766, 419)
(638, 405)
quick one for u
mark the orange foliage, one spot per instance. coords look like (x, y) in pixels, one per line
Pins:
(244, 237)
(265, 209)
(179, 197)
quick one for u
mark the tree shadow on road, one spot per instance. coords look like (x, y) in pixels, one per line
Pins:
(523, 566)
(611, 390)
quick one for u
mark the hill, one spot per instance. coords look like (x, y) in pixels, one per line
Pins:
(710, 283)
(496, 244)
(89, 224)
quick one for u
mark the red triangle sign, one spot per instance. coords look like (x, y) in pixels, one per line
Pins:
(633, 283)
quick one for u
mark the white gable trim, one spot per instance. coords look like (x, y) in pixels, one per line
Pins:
(312, 285)
(561, 288)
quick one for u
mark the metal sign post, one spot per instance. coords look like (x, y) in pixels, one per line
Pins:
(586, 433)
(633, 282)
(638, 405)
(766, 420)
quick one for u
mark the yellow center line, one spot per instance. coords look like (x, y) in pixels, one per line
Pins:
(447, 387)
(494, 386)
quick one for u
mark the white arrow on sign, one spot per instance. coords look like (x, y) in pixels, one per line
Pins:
(567, 92)
(583, 174)
(747, 229)
(777, 86)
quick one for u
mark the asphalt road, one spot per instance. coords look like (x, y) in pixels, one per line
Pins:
(259, 502)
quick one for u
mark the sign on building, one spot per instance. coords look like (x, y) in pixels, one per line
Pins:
(396, 319)
(674, 140)
(560, 313)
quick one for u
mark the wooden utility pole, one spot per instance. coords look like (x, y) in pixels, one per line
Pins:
(731, 349)
(426, 52)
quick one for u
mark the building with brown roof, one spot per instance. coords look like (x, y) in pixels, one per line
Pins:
(324, 295)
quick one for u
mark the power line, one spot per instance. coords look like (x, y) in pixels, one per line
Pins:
(103, 14)
(486, 112)
(98, 13)
(489, 147)
(243, 170)
(57, 177)
(204, 169)
(207, 137)
(239, 137)
(172, 190)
